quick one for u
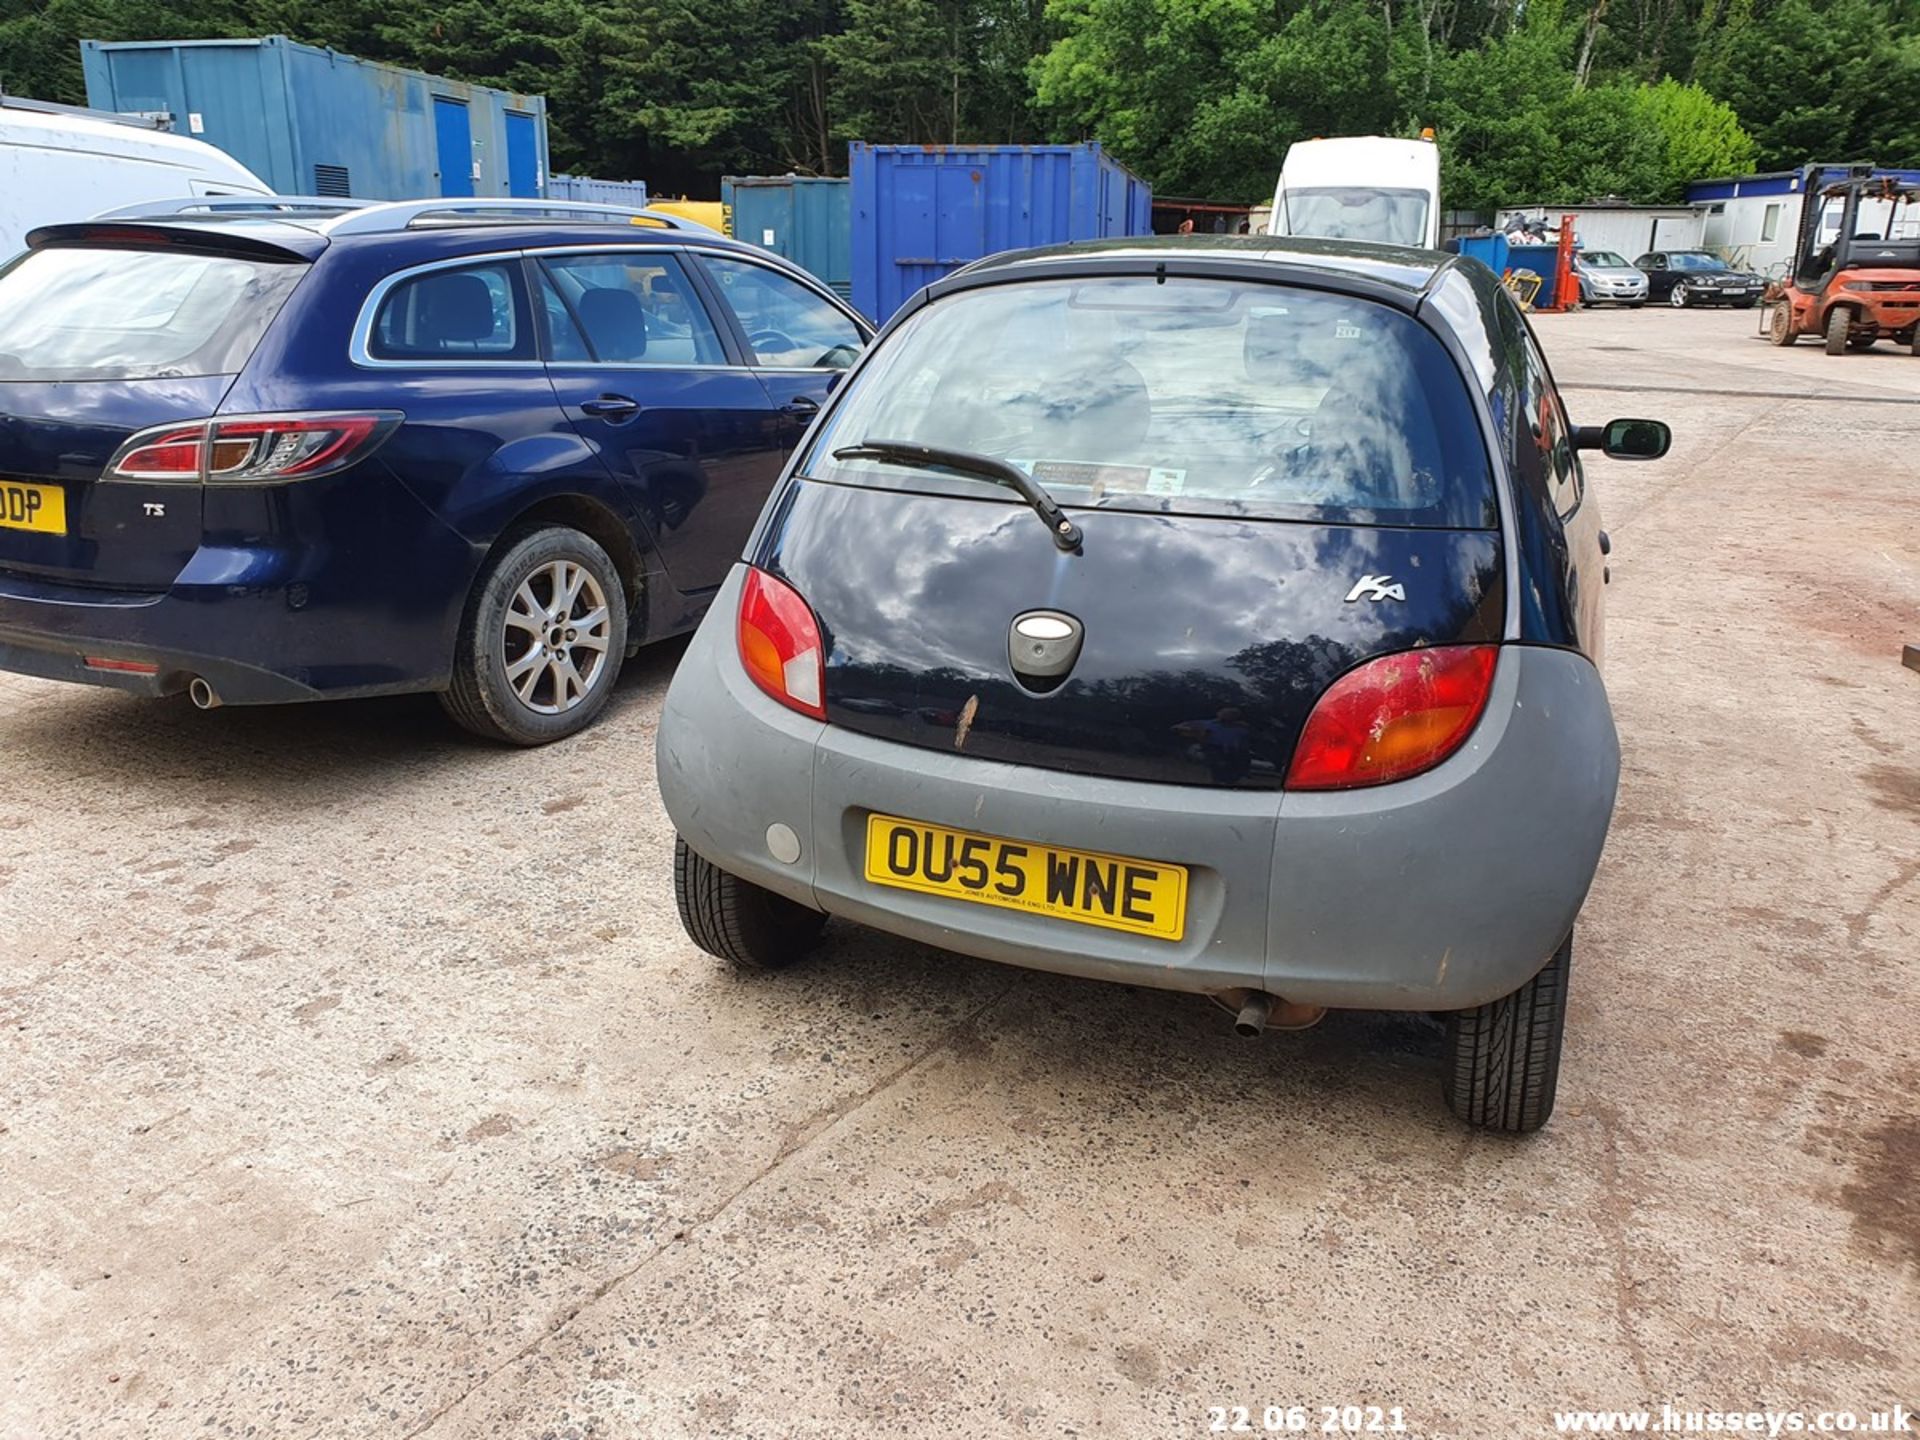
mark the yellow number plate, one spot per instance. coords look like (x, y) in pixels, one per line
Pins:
(1141, 896)
(33, 507)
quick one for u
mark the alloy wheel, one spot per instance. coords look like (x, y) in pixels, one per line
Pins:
(1678, 299)
(555, 637)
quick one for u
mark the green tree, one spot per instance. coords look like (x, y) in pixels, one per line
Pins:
(897, 72)
(1820, 79)
(1696, 135)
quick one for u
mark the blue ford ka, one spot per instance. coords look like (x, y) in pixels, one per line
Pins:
(1221, 615)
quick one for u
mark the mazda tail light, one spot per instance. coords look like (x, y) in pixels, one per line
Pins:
(164, 453)
(1393, 717)
(253, 449)
(780, 644)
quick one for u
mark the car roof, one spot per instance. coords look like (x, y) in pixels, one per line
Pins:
(1395, 267)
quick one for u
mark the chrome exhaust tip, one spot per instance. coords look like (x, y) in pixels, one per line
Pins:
(202, 694)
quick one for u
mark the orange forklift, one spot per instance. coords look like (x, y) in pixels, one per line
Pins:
(1856, 264)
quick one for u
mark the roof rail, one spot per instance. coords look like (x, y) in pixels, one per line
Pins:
(247, 207)
(144, 121)
(406, 214)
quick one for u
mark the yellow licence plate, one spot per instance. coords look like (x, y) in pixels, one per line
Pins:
(33, 507)
(1141, 896)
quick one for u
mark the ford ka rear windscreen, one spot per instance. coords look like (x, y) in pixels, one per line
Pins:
(1185, 396)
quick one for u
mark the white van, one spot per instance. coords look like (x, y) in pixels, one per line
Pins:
(59, 164)
(1361, 187)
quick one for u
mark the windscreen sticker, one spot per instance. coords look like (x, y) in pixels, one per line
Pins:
(1105, 480)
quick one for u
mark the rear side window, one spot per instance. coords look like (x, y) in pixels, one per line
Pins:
(1551, 433)
(1195, 396)
(472, 312)
(76, 314)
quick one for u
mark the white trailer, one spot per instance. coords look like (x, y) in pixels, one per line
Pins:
(1629, 231)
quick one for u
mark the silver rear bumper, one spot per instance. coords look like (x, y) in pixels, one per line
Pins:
(1439, 892)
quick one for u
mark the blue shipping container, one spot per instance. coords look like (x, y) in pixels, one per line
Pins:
(923, 211)
(586, 190)
(807, 218)
(1497, 255)
(313, 121)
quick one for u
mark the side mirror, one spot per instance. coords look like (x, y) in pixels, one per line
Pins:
(1625, 439)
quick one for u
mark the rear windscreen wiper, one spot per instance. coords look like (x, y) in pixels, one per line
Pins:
(1065, 533)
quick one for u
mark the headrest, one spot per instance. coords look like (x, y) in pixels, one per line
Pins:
(615, 322)
(456, 307)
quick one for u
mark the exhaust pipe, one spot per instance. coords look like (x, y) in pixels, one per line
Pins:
(202, 694)
(1261, 1011)
(1252, 1018)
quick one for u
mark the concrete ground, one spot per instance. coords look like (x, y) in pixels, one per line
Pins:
(356, 1080)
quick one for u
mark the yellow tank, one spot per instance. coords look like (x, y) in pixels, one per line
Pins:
(710, 213)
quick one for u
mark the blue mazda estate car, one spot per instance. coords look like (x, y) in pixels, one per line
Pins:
(286, 450)
(1217, 615)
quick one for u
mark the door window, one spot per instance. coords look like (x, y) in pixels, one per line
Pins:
(474, 312)
(627, 307)
(787, 326)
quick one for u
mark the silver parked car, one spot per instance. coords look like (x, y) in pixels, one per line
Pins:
(1220, 615)
(1607, 278)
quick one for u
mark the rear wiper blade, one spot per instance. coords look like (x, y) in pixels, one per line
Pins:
(1065, 533)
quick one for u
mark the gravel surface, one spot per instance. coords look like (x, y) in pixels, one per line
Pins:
(358, 1080)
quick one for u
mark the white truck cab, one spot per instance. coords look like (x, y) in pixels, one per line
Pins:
(59, 163)
(1360, 187)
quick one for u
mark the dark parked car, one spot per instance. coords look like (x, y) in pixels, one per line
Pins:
(1214, 614)
(481, 448)
(1695, 277)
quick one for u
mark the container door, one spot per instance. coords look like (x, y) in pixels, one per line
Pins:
(453, 140)
(523, 156)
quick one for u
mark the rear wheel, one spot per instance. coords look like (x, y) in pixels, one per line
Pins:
(1503, 1059)
(751, 928)
(542, 640)
(1839, 328)
(1678, 297)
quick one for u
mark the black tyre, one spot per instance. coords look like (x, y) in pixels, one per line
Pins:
(1914, 344)
(541, 641)
(1746, 304)
(1503, 1059)
(751, 928)
(1839, 327)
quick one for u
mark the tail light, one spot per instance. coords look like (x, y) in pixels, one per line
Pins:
(253, 449)
(780, 644)
(166, 452)
(1393, 717)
